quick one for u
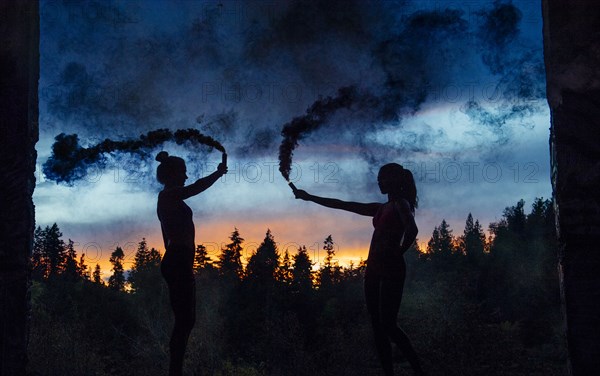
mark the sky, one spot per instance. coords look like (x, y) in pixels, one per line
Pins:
(452, 90)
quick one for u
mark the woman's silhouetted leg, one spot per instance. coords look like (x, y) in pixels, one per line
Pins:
(382, 342)
(183, 302)
(383, 297)
(182, 295)
(391, 297)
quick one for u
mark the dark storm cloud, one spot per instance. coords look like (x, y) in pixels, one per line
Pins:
(425, 52)
(114, 72)
(518, 68)
(90, 101)
(498, 27)
(107, 73)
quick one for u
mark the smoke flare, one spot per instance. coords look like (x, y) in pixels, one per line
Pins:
(317, 115)
(69, 161)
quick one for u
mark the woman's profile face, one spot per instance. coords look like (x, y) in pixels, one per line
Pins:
(179, 175)
(389, 179)
(385, 182)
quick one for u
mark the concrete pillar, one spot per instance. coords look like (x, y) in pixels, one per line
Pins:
(572, 57)
(19, 67)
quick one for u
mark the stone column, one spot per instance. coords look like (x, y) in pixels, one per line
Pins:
(19, 74)
(572, 56)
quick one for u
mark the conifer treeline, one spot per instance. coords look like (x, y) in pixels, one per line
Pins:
(276, 315)
(52, 258)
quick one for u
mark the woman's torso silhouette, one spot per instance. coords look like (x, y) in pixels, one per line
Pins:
(385, 258)
(178, 230)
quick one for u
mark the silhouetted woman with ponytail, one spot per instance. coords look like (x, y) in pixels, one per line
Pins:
(178, 234)
(395, 231)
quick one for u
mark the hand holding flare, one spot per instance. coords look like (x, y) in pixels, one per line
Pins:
(223, 165)
(299, 193)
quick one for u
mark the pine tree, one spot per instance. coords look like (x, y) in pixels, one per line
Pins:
(302, 271)
(71, 270)
(146, 268)
(329, 249)
(515, 218)
(97, 275)
(540, 222)
(441, 245)
(285, 270)
(263, 265)
(434, 241)
(230, 259)
(55, 249)
(154, 257)
(473, 242)
(201, 259)
(48, 257)
(82, 268)
(330, 273)
(117, 280)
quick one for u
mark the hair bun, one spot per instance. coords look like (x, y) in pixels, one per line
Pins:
(162, 156)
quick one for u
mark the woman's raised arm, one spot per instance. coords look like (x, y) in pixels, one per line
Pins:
(198, 186)
(368, 209)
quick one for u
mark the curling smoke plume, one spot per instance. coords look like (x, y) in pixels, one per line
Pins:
(69, 161)
(317, 115)
(413, 70)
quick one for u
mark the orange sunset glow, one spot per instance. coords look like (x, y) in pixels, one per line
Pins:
(289, 232)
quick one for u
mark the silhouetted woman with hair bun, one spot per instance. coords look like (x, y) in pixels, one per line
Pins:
(395, 231)
(178, 234)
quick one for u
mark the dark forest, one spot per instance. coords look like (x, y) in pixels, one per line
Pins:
(474, 304)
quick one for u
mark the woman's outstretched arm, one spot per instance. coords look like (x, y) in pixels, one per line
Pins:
(199, 185)
(369, 209)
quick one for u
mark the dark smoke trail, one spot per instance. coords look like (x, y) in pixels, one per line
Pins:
(404, 91)
(316, 115)
(69, 160)
(418, 60)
